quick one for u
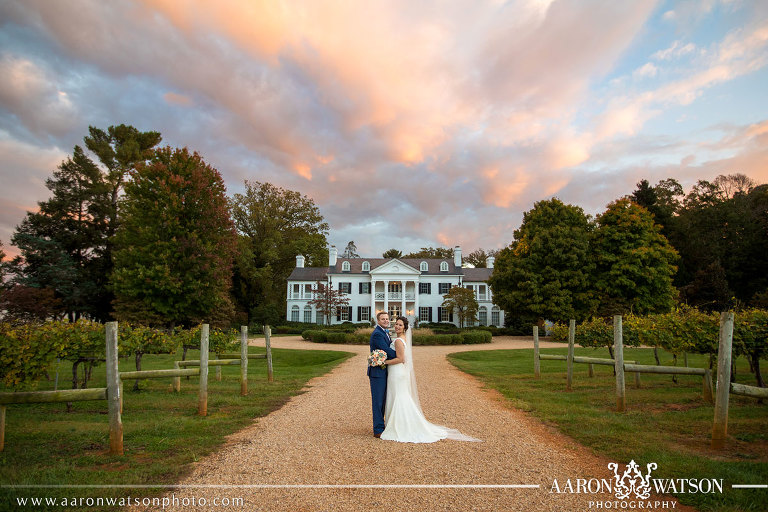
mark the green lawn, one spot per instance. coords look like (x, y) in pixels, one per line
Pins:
(667, 423)
(44, 444)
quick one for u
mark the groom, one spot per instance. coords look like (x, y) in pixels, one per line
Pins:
(378, 376)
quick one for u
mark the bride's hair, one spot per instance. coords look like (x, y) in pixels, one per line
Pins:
(405, 322)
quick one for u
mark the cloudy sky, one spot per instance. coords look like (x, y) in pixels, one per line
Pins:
(410, 124)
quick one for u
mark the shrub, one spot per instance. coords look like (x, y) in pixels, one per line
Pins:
(477, 336)
(336, 337)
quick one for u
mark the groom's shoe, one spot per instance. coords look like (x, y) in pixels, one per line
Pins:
(377, 436)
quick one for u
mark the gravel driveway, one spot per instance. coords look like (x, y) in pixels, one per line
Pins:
(324, 437)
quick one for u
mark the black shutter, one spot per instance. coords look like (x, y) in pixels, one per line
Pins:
(359, 290)
(450, 316)
(430, 314)
(439, 314)
(359, 311)
(338, 314)
(349, 308)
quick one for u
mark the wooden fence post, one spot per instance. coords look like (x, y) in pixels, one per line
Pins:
(243, 360)
(267, 334)
(536, 361)
(113, 392)
(707, 386)
(618, 355)
(176, 380)
(2, 427)
(571, 341)
(202, 397)
(720, 426)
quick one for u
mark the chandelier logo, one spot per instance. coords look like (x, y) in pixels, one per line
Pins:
(632, 482)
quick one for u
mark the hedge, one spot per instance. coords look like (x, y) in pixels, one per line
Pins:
(467, 337)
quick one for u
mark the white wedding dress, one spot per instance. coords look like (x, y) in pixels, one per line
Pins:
(404, 419)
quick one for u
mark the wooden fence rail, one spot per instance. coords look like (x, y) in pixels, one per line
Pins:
(580, 360)
(752, 391)
(113, 393)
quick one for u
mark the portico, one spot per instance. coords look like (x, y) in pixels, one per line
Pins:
(395, 286)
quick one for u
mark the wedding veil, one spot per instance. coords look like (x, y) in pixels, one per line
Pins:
(409, 366)
(449, 433)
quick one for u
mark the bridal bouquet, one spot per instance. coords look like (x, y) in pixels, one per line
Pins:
(377, 358)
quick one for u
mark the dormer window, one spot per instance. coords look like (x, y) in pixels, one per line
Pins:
(424, 267)
(444, 266)
(366, 266)
(345, 266)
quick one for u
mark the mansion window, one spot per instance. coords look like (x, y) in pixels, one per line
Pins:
(425, 314)
(394, 311)
(295, 314)
(366, 267)
(444, 288)
(444, 267)
(424, 267)
(495, 315)
(307, 314)
(425, 288)
(483, 316)
(363, 313)
(444, 315)
(364, 288)
(345, 266)
(395, 287)
(345, 288)
(344, 314)
(319, 317)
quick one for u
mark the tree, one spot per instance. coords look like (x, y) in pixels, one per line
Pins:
(462, 301)
(708, 290)
(66, 245)
(545, 273)
(392, 253)
(23, 304)
(725, 222)
(175, 244)
(62, 245)
(350, 251)
(479, 257)
(328, 301)
(634, 262)
(431, 252)
(274, 225)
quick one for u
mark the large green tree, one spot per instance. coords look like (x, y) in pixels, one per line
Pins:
(62, 245)
(545, 273)
(634, 262)
(723, 227)
(66, 245)
(274, 226)
(175, 243)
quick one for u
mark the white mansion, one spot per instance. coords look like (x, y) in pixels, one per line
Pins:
(410, 287)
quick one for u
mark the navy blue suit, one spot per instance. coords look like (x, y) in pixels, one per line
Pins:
(378, 377)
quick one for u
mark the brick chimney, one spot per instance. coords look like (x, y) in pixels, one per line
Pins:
(332, 254)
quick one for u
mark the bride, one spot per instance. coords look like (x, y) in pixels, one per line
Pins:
(405, 421)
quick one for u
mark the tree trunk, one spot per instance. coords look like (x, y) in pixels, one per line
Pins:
(756, 366)
(656, 356)
(674, 375)
(138, 369)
